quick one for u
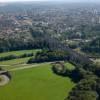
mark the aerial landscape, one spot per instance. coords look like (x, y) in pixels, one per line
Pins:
(49, 50)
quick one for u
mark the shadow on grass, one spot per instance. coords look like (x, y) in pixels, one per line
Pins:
(74, 75)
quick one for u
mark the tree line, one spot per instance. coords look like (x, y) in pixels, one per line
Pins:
(48, 56)
(92, 47)
(87, 80)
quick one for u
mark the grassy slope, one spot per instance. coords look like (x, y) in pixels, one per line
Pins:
(69, 66)
(36, 84)
(15, 62)
(17, 53)
(97, 61)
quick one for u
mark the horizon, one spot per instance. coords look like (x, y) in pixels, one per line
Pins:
(75, 1)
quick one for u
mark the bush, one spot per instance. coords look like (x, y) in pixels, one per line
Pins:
(59, 68)
(86, 89)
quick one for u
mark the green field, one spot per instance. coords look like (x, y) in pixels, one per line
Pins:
(97, 61)
(37, 83)
(15, 62)
(69, 66)
(17, 53)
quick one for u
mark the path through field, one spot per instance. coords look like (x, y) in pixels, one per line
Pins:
(24, 66)
(4, 80)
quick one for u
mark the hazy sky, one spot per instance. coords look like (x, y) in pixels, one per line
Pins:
(52, 0)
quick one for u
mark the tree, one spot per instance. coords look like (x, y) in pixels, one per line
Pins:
(59, 68)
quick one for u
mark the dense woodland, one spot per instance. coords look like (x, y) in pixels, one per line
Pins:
(86, 77)
(48, 56)
(92, 47)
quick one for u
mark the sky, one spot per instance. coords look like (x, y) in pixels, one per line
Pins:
(52, 0)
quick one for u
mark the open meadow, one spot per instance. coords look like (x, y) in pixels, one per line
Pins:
(17, 53)
(37, 82)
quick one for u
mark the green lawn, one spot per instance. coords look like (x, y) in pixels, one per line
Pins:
(17, 53)
(69, 66)
(38, 83)
(97, 61)
(15, 62)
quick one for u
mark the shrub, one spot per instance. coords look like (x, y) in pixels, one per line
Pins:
(59, 68)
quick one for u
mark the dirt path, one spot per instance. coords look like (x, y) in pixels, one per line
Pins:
(4, 80)
(25, 66)
(20, 68)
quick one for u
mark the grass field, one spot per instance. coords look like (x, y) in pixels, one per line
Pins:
(15, 62)
(17, 53)
(97, 61)
(69, 66)
(37, 83)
